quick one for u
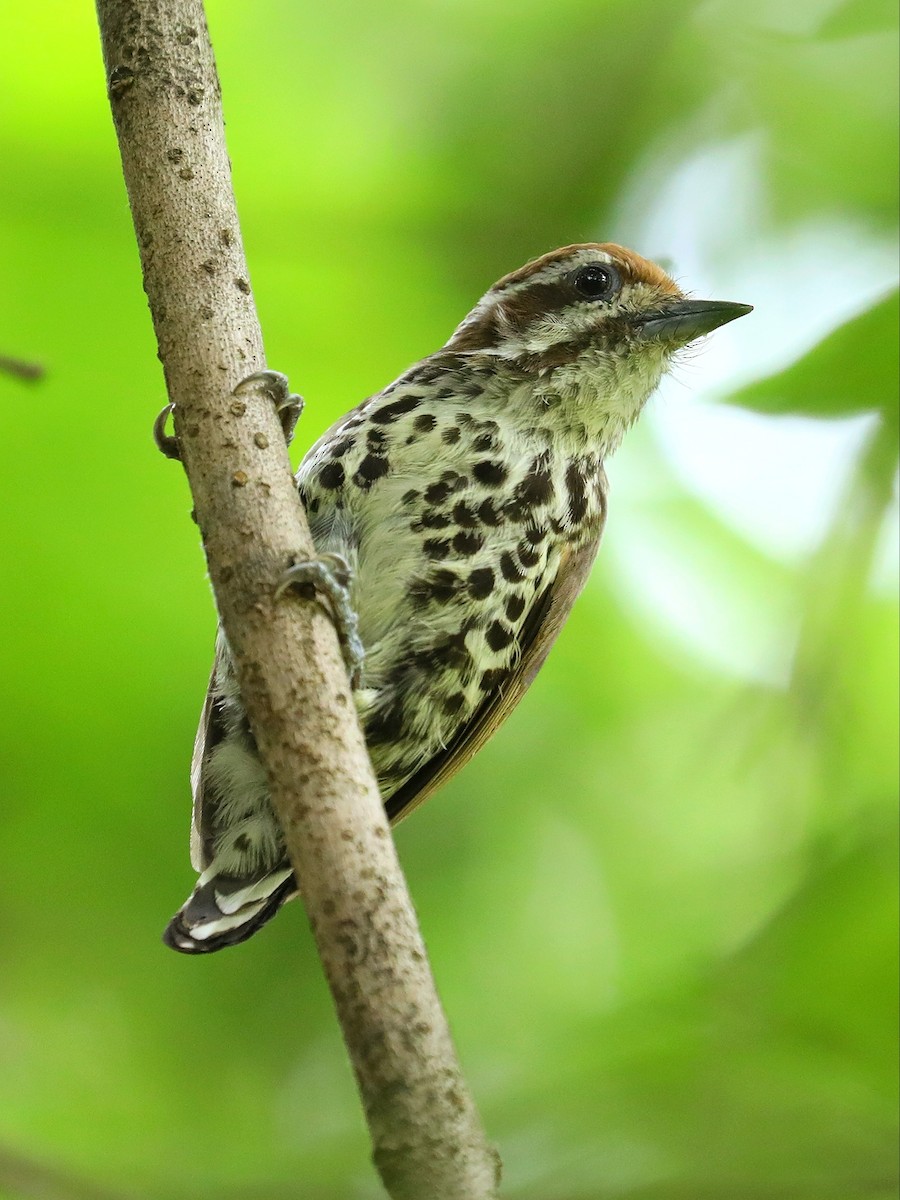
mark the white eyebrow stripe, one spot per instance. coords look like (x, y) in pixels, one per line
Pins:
(556, 270)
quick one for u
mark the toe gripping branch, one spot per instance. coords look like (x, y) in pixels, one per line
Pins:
(330, 576)
(287, 404)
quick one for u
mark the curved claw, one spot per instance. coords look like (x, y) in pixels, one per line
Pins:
(287, 404)
(166, 444)
(289, 414)
(330, 574)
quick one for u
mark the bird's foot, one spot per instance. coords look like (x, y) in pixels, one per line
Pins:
(287, 404)
(166, 443)
(330, 576)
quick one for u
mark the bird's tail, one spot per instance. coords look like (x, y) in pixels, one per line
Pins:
(223, 910)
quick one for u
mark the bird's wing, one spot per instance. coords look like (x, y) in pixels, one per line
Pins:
(210, 732)
(543, 622)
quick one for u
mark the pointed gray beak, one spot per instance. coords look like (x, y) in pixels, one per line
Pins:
(686, 320)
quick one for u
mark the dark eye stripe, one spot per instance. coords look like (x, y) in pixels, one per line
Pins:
(536, 300)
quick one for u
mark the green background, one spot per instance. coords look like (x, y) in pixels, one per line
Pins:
(661, 906)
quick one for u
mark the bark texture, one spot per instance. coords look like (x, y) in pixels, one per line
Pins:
(427, 1139)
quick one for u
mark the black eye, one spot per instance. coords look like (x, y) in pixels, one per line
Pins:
(596, 282)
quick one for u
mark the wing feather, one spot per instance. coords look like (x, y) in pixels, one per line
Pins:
(210, 732)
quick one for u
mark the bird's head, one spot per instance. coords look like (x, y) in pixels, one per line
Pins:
(595, 324)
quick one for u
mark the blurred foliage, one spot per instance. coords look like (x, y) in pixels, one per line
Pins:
(662, 904)
(818, 382)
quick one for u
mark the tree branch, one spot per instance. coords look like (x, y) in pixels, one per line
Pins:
(29, 371)
(427, 1139)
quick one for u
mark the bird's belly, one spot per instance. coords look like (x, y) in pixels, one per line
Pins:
(453, 525)
(441, 612)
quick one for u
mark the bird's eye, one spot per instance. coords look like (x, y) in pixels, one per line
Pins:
(596, 282)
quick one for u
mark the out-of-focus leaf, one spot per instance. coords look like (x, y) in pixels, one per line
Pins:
(826, 104)
(860, 16)
(853, 370)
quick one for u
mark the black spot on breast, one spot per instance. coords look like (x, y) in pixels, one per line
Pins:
(424, 423)
(338, 449)
(313, 506)
(371, 468)
(575, 483)
(437, 587)
(481, 583)
(537, 485)
(488, 515)
(450, 436)
(519, 511)
(331, 476)
(510, 569)
(467, 543)
(424, 372)
(448, 483)
(431, 520)
(436, 547)
(485, 441)
(535, 534)
(447, 653)
(464, 419)
(385, 724)
(389, 413)
(436, 493)
(491, 680)
(241, 843)
(515, 606)
(498, 636)
(528, 556)
(490, 473)
(376, 441)
(409, 497)
(453, 704)
(464, 515)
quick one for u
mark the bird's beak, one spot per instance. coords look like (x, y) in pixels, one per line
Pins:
(686, 320)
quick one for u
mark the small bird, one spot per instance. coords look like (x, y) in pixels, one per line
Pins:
(456, 514)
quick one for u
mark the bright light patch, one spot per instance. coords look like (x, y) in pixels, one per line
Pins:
(776, 481)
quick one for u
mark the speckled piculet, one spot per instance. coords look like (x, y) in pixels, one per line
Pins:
(467, 499)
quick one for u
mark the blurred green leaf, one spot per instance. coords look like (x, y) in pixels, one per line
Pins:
(852, 370)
